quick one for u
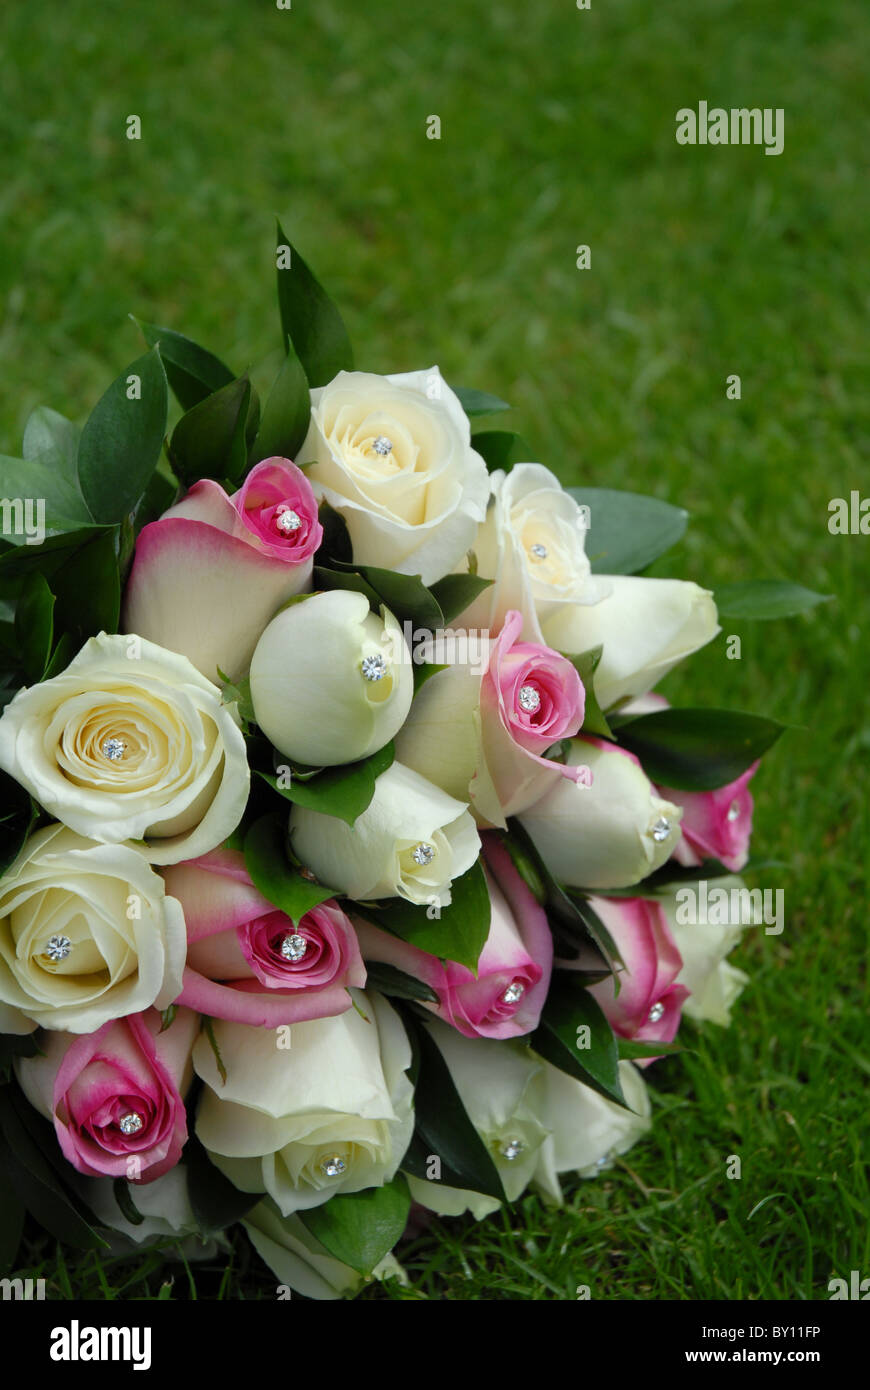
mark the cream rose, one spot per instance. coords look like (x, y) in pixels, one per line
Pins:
(586, 1130)
(300, 1261)
(335, 1113)
(411, 841)
(533, 546)
(712, 981)
(130, 742)
(87, 935)
(393, 455)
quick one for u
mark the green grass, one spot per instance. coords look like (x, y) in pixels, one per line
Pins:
(558, 129)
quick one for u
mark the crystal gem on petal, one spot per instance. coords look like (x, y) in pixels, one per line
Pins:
(656, 1012)
(130, 1123)
(58, 947)
(511, 1149)
(288, 521)
(383, 445)
(374, 668)
(538, 551)
(529, 699)
(332, 1166)
(661, 830)
(514, 992)
(734, 810)
(293, 947)
(113, 749)
(423, 854)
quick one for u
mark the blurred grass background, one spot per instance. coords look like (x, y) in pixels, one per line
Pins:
(557, 129)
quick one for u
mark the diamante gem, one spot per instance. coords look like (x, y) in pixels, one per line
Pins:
(383, 446)
(601, 1162)
(734, 810)
(539, 551)
(333, 1166)
(130, 1123)
(529, 699)
(58, 947)
(656, 1012)
(661, 830)
(288, 521)
(515, 990)
(293, 947)
(423, 853)
(113, 749)
(511, 1149)
(374, 668)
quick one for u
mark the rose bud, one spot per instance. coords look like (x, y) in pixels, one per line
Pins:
(87, 934)
(208, 576)
(116, 1096)
(246, 961)
(610, 834)
(393, 455)
(646, 626)
(411, 841)
(647, 1007)
(330, 681)
(130, 742)
(586, 1130)
(297, 1259)
(333, 1114)
(716, 824)
(500, 1086)
(484, 736)
(532, 545)
(712, 981)
(504, 997)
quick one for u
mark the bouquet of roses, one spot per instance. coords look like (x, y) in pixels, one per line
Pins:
(342, 840)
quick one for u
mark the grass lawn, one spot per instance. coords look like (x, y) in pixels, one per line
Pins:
(557, 129)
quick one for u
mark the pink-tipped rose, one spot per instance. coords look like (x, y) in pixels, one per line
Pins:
(716, 824)
(505, 998)
(210, 574)
(116, 1096)
(648, 1005)
(246, 961)
(481, 729)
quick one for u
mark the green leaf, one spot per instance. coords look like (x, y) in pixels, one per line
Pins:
(16, 561)
(286, 413)
(336, 537)
(87, 589)
(459, 933)
(36, 1184)
(193, 372)
(762, 599)
(17, 816)
(631, 1050)
(697, 749)
(405, 595)
(238, 694)
(586, 664)
(456, 592)
(34, 626)
(627, 530)
(337, 791)
(559, 1040)
(271, 871)
(478, 402)
(36, 490)
(11, 1227)
(388, 979)
(443, 1128)
(310, 319)
(52, 439)
(216, 1202)
(208, 1029)
(126, 1205)
(122, 439)
(501, 448)
(210, 441)
(360, 1228)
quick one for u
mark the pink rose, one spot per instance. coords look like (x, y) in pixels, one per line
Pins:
(210, 574)
(116, 1096)
(648, 1005)
(505, 998)
(246, 961)
(716, 824)
(484, 735)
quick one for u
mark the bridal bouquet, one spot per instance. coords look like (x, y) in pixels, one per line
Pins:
(346, 856)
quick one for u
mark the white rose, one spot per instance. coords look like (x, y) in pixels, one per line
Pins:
(610, 834)
(298, 1260)
(393, 455)
(586, 1130)
(500, 1086)
(130, 742)
(87, 935)
(164, 1205)
(713, 983)
(645, 627)
(335, 1113)
(532, 545)
(411, 841)
(330, 681)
